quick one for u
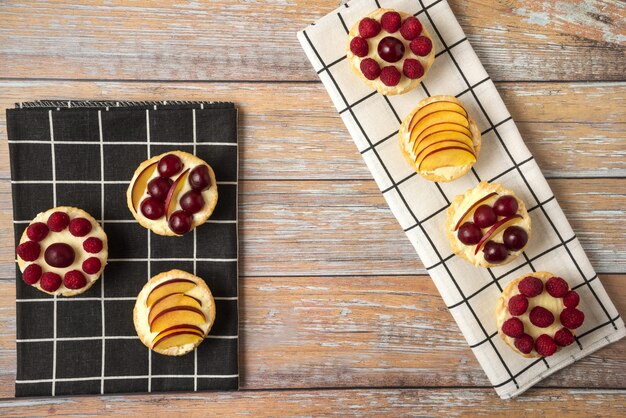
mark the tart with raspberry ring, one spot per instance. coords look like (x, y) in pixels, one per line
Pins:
(172, 193)
(537, 314)
(391, 51)
(63, 251)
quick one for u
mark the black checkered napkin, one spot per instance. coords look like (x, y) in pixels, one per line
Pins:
(420, 206)
(84, 154)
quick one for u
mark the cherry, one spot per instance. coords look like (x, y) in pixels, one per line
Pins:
(495, 252)
(169, 165)
(59, 255)
(152, 208)
(391, 49)
(484, 216)
(180, 222)
(192, 201)
(469, 233)
(505, 206)
(158, 187)
(515, 238)
(199, 177)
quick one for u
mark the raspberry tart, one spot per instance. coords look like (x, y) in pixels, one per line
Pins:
(63, 251)
(391, 51)
(172, 193)
(174, 312)
(538, 314)
(488, 225)
(439, 139)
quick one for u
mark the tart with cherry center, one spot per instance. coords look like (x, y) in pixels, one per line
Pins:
(63, 251)
(172, 193)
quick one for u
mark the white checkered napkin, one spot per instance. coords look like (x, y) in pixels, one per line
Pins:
(419, 205)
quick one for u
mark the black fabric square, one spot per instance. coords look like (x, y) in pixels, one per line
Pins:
(33, 125)
(34, 360)
(124, 125)
(216, 241)
(77, 162)
(172, 384)
(121, 161)
(160, 266)
(220, 126)
(171, 125)
(161, 247)
(217, 277)
(77, 387)
(220, 157)
(79, 358)
(226, 208)
(19, 229)
(30, 199)
(124, 278)
(77, 318)
(115, 198)
(218, 383)
(31, 161)
(226, 320)
(34, 319)
(127, 240)
(169, 365)
(125, 385)
(33, 389)
(217, 356)
(76, 125)
(162, 149)
(85, 196)
(118, 318)
(124, 357)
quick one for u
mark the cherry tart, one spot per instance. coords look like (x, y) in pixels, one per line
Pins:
(538, 314)
(174, 312)
(63, 251)
(391, 51)
(439, 139)
(488, 225)
(172, 193)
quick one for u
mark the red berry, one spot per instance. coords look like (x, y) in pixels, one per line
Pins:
(152, 208)
(571, 299)
(79, 227)
(368, 28)
(169, 165)
(421, 46)
(524, 343)
(92, 265)
(59, 254)
(74, 279)
(572, 318)
(518, 305)
(564, 337)
(199, 177)
(359, 46)
(32, 273)
(412, 69)
(391, 21)
(158, 188)
(541, 317)
(192, 201)
(180, 222)
(37, 231)
(28, 250)
(370, 68)
(557, 287)
(513, 327)
(92, 245)
(390, 76)
(530, 286)
(545, 345)
(411, 28)
(50, 281)
(58, 221)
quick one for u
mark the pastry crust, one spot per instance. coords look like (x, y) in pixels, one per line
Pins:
(141, 311)
(467, 252)
(160, 226)
(377, 84)
(405, 136)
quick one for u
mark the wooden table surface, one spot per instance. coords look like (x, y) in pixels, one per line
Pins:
(338, 315)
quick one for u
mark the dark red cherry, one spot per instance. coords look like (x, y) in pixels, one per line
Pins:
(158, 187)
(192, 201)
(169, 165)
(59, 255)
(505, 206)
(515, 238)
(495, 252)
(180, 222)
(469, 233)
(152, 208)
(484, 216)
(199, 177)
(391, 49)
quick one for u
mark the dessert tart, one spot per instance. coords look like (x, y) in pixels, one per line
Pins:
(63, 251)
(172, 193)
(439, 139)
(391, 51)
(536, 314)
(488, 225)
(174, 312)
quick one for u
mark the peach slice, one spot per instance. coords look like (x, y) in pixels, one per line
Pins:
(441, 145)
(417, 136)
(141, 183)
(170, 301)
(167, 288)
(177, 329)
(177, 339)
(446, 157)
(495, 229)
(442, 136)
(436, 107)
(474, 205)
(180, 315)
(443, 116)
(172, 195)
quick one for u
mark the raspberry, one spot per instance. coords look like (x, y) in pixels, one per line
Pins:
(391, 21)
(79, 227)
(58, 221)
(92, 245)
(421, 46)
(513, 327)
(370, 68)
(50, 281)
(530, 286)
(518, 305)
(91, 265)
(74, 279)
(564, 337)
(571, 299)
(572, 318)
(390, 76)
(368, 28)
(412, 68)
(541, 317)
(37, 231)
(545, 345)
(411, 28)
(557, 287)
(359, 46)
(28, 251)
(524, 343)
(31, 274)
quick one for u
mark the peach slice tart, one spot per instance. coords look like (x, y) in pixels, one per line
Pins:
(488, 225)
(172, 193)
(537, 314)
(439, 139)
(63, 251)
(174, 312)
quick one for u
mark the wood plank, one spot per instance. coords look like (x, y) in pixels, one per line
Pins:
(576, 40)
(308, 332)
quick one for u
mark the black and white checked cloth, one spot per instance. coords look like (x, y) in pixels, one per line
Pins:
(84, 154)
(420, 206)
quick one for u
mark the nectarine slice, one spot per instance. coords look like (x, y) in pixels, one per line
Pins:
(441, 145)
(443, 116)
(172, 196)
(495, 229)
(418, 136)
(474, 205)
(442, 136)
(141, 183)
(167, 288)
(436, 107)
(177, 339)
(170, 301)
(446, 157)
(181, 328)
(181, 315)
